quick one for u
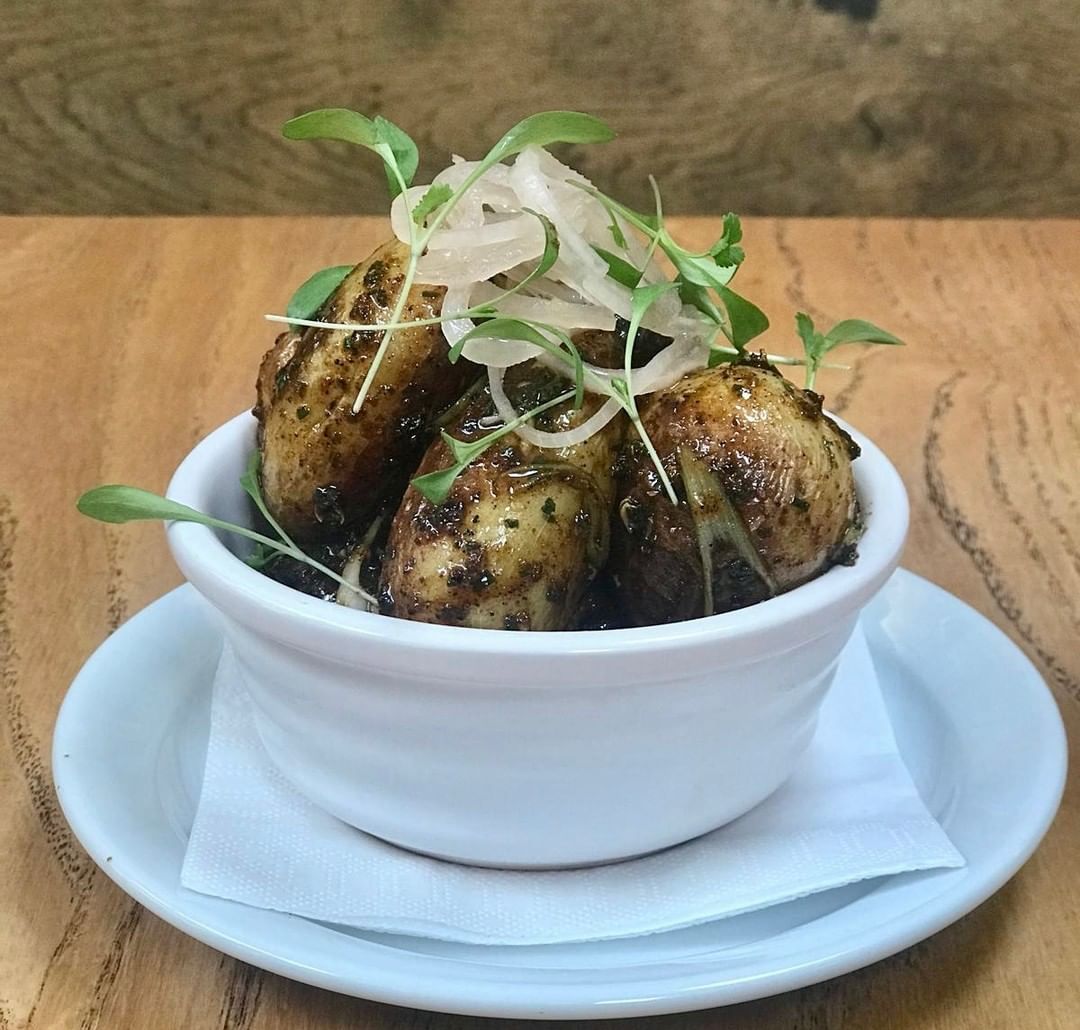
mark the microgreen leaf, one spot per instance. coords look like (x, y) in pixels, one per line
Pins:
(314, 291)
(117, 503)
(700, 269)
(619, 268)
(856, 330)
(249, 483)
(546, 128)
(852, 330)
(403, 149)
(434, 198)
(337, 123)
(745, 319)
(698, 297)
(382, 136)
(435, 486)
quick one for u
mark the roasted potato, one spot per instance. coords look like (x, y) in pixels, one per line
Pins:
(767, 498)
(523, 530)
(324, 469)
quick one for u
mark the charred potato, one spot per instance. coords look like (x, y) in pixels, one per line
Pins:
(522, 532)
(767, 498)
(326, 470)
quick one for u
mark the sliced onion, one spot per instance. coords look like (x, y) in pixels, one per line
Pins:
(457, 298)
(401, 211)
(494, 352)
(489, 233)
(561, 313)
(538, 437)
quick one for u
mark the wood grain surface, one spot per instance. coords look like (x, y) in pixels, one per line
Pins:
(126, 340)
(916, 107)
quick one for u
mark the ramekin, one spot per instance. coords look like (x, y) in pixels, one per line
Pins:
(528, 750)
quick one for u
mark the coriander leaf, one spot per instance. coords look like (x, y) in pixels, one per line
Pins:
(619, 268)
(732, 227)
(804, 326)
(314, 291)
(813, 343)
(852, 330)
(434, 198)
(549, 127)
(746, 320)
(856, 330)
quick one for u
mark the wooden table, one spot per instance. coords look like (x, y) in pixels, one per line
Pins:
(127, 340)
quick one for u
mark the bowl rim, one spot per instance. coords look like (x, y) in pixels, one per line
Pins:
(271, 608)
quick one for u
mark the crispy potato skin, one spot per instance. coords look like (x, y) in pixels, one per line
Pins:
(786, 468)
(324, 469)
(520, 536)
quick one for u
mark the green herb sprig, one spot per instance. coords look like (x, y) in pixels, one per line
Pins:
(697, 275)
(852, 330)
(435, 486)
(117, 503)
(399, 155)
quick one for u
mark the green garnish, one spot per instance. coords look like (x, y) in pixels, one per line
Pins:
(697, 274)
(620, 269)
(393, 145)
(702, 279)
(435, 486)
(118, 504)
(511, 523)
(643, 298)
(547, 509)
(852, 330)
(530, 332)
(431, 201)
(399, 155)
(313, 292)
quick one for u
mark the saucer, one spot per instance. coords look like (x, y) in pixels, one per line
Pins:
(974, 721)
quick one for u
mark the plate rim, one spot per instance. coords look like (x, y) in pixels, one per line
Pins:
(379, 979)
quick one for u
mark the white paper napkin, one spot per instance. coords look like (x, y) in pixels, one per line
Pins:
(849, 812)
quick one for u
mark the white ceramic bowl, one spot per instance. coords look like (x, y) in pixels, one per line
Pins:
(529, 749)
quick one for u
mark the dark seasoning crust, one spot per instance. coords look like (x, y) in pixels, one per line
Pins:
(522, 540)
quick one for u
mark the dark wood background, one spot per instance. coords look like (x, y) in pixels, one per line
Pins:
(934, 107)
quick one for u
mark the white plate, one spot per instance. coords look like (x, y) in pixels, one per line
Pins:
(975, 722)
